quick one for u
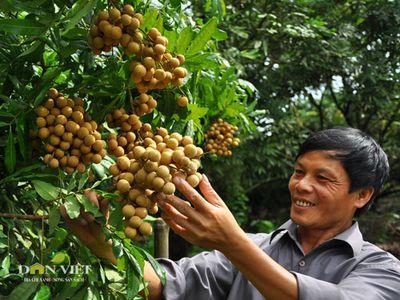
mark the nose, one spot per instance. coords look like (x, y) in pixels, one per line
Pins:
(304, 185)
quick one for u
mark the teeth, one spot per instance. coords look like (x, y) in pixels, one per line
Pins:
(303, 203)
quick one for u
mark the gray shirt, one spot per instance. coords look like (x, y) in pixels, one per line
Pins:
(345, 267)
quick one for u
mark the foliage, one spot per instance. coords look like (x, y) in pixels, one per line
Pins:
(44, 44)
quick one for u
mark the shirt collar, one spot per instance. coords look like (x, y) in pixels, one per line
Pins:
(351, 236)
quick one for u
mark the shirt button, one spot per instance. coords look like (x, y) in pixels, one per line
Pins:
(302, 263)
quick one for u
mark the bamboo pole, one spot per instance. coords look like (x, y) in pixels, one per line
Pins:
(161, 234)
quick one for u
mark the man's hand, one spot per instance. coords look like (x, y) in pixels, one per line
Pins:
(209, 223)
(89, 231)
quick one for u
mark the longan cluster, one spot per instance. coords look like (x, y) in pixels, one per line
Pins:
(144, 104)
(69, 136)
(147, 168)
(220, 137)
(113, 27)
(154, 68)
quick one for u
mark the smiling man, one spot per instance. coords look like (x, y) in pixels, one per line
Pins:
(318, 254)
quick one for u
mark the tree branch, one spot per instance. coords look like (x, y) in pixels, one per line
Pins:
(24, 217)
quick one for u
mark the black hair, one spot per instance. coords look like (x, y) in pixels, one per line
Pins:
(363, 159)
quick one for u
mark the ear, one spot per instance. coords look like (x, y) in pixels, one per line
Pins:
(363, 196)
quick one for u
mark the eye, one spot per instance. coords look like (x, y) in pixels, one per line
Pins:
(298, 172)
(320, 177)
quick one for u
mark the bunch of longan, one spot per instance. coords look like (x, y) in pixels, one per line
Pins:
(112, 28)
(69, 136)
(154, 68)
(144, 104)
(148, 167)
(220, 137)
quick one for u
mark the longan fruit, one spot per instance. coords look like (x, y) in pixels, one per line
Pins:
(159, 49)
(128, 9)
(154, 33)
(128, 210)
(55, 111)
(153, 210)
(61, 119)
(133, 194)
(123, 186)
(81, 168)
(42, 111)
(142, 201)
(65, 145)
(158, 184)
(134, 167)
(114, 170)
(135, 221)
(59, 130)
(89, 140)
(52, 93)
(130, 232)
(61, 102)
(180, 72)
(123, 163)
(140, 70)
(40, 122)
(169, 188)
(172, 143)
(82, 132)
(140, 176)
(59, 153)
(139, 16)
(49, 104)
(193, 180)
(119, 151)
(181, 58)
(73, 161)
(114, 14)
(163, 171)
(190, 150)
(77, 116)
(145, 229)
(43, 133)
(72, 127)
(53, 163)
(141, 212)
(96, 158)
(182, 101)
(54, 140)
(154, 156)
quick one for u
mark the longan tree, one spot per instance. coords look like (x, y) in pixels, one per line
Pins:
(114, 97)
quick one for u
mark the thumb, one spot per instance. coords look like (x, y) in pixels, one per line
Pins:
(209, 193)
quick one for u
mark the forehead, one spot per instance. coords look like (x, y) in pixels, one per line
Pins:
(320, 159)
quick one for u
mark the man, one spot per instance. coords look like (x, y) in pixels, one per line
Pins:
(318, 254)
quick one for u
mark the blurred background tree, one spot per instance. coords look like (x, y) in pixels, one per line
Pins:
(315, 64)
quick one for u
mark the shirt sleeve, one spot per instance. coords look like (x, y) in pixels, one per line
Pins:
(372, 282)
(207, 275)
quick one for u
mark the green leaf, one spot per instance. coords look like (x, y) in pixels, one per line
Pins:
(88, 205)
(46, 83)
(196, 112)
(59, 238)
(46, 190)
(156, 266)
(202, 37)
(79, 10)
(21, 136)
(10, 155)
(22, 27)
(54, 219)
(72, 206)
(43, 294)
(184, 39)
(82, 181)
(23, 291)
(59, 258)
(5, 266)
(220, 35)
(132, 282)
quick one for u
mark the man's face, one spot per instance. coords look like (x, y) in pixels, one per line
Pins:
(319, 189)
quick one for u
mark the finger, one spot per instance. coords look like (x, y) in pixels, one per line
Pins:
(92, 196)
(175, 227)
(190, 193)
(175, 215)
(87, 216)
(75, 224)
(208, 192)
(182, 206)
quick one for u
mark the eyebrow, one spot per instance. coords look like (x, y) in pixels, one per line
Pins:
(319, 170)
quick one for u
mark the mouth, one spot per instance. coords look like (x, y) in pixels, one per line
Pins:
(303, 203)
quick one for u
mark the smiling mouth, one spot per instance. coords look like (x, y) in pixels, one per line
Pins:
(303, 203)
